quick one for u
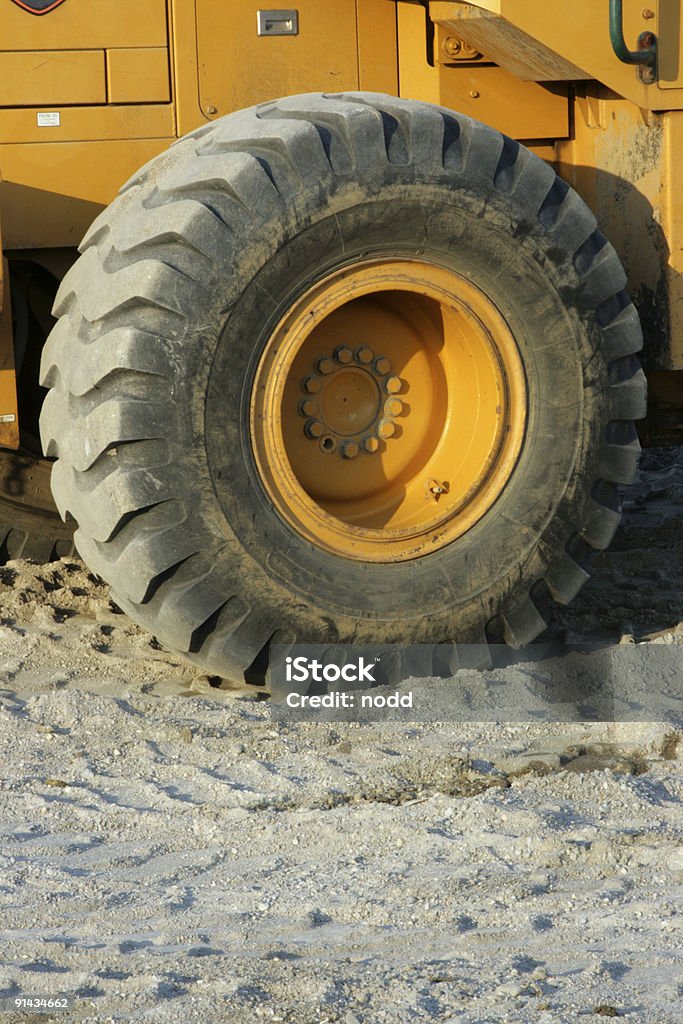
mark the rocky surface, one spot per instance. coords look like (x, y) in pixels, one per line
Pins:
(172, 850)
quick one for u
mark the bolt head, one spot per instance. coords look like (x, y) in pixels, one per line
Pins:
(386, 429)
(364, 355)
(452, 46)
(307, 407)
(313, 428)
(350, 450)
(393, 385)
(343, 354)
(382, 365)
(311, 385)
(324, 365)
(370, 445)
(393, 407)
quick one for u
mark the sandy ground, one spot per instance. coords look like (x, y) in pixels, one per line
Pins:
(171, 850)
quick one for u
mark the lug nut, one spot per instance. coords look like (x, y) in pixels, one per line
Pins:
(393, 385)
(324, 365)
(350, 450)
(386, 429)
(364, 354)
(382, 365)
(393, 407)
(370, 445)
(307, 407)
(311, 385)
(313, 428)
(343, 354)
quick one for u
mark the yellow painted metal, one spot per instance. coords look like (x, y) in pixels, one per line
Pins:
(46, 198)
(388, 410)
(671, 198)
(668, 27)
(578, 34)
(377, 46)
(625, 163)
(87, 25)
(185, 58)
(33, 77)
(523, 110)
(239, 68)
(138, 75)
(9, 411)
(83, 124)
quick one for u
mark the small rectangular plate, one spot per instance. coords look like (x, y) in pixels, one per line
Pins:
(278, 23)
(48, 119)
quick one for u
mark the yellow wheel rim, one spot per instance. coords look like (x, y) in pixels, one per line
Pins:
(388, 410)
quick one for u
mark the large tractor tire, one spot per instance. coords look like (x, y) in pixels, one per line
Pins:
(342, 369)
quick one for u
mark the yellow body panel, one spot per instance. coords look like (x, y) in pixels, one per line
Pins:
(138, 75)
(238, 68)
(83, 124)
(34, 77)
(377, 52)
(46, 200)
(86, 25)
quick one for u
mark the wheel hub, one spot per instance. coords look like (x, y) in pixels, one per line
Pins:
(394, 446)
(350, 402)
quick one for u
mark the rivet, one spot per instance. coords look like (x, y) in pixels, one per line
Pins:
(364, 354)
(393, 407)
(311, 385)
(386, 429)
(307, 407)
(313, 428)
(475, 94)
(393, 385)
(343, 354)
(350, 450)
(382, 365)
(324, 365)
(647, 14)
(370, 444)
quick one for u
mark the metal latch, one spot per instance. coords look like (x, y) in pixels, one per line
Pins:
(278, 23)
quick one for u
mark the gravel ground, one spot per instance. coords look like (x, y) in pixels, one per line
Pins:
(171, 849)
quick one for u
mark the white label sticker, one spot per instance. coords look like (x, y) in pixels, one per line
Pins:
(7, 417)
(49, 119)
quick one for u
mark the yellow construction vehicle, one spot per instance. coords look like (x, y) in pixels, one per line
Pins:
(351, 355)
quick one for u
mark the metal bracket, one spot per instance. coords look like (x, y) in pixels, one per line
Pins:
(277, 23)
(645, 57)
